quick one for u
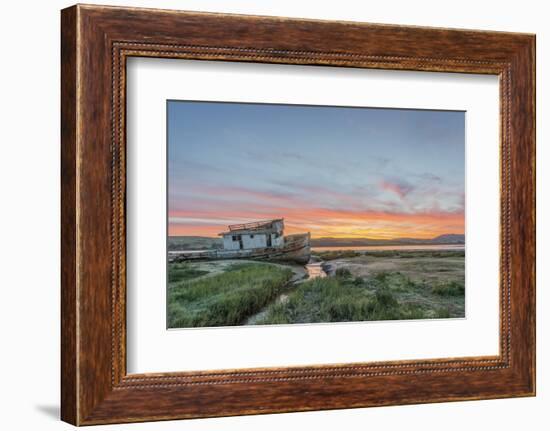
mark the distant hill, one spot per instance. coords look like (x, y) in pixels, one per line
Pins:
(450, 238)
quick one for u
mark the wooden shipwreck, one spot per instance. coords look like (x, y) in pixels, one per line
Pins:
(260, 240)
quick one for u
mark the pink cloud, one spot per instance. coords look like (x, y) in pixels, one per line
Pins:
(400, 188)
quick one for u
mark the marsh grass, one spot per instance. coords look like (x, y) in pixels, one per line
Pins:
(344, 298)
(183, 271)
(415, 285)
(415, 254)
(452, 288)
(224, 299)
(400, 254)
(336, 254)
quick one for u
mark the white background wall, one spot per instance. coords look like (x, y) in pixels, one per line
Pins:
(29, 219)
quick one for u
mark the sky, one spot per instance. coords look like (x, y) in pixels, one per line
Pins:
(332, 171)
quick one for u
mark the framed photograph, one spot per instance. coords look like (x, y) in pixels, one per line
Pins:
(264, 215)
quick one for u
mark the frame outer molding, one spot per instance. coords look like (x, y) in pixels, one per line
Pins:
(69, 325)
(95, 41)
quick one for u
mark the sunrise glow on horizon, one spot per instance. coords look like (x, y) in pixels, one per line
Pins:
(332, 171)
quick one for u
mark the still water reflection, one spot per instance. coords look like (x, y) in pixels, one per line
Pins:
(315, 270)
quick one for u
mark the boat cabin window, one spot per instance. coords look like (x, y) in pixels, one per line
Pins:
(236, 238)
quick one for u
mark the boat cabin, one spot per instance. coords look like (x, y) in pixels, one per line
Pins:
(255, 235)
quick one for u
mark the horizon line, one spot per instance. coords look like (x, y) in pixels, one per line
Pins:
(343, 237)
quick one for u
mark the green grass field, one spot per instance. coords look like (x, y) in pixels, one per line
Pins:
(386, 296)
(385, 285)
(197, 298)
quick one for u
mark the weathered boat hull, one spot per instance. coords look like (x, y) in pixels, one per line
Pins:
(296, 249)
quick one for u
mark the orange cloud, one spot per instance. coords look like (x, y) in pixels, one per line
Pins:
(208, 210)
(325, 222)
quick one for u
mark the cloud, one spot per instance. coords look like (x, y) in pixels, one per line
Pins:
(342, 222)
(430, 177)
(400, 187)
(321, 210)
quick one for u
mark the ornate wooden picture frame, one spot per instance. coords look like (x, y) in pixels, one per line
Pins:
(96, 41)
